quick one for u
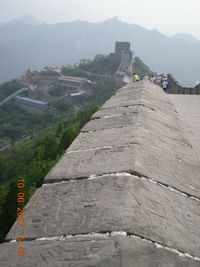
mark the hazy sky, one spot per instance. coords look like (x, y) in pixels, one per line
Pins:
(168, 16)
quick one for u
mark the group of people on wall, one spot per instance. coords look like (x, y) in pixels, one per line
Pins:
(160, 80)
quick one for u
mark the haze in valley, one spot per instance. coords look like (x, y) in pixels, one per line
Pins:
(165, 34)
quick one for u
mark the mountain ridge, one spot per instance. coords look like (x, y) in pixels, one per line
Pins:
(186, 37)
(64, 43)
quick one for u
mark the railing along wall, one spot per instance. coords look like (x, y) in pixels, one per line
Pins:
(175, 87)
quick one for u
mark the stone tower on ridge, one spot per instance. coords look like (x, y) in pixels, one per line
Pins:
(122, 47)
(123, 51)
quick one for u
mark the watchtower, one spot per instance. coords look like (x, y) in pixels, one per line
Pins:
(122, 47)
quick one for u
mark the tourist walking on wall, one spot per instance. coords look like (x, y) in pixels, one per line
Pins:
(158, 80)
(135, 77)
(164, 84)
(152, 79)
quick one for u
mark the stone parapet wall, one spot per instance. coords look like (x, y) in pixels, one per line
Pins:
(175, 87)
(126, 193)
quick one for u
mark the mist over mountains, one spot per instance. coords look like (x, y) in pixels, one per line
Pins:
(28, 42)
(186, 37)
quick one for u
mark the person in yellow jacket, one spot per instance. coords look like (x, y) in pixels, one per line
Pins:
(135, 77)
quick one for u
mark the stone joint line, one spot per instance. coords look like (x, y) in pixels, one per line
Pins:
(127, 106)
(112, 234)
(89, 149)
(93, 131)
(116, 115)
(100, 148)
(134, 174)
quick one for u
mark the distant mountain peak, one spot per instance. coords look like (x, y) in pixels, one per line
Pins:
(115, 19)
(112, 21)
(28, 19)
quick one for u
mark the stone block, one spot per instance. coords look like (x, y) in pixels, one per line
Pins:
(92, 252)
(114, 203)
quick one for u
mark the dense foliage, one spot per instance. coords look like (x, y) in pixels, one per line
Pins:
(8, 88)
(102, 64)
(141, 69)
(31, 160)
(36, 150)
(16, 123)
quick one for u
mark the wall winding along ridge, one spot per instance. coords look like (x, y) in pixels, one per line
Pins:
(176, 88)
(126, 192)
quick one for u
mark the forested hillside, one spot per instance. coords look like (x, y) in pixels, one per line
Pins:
(31, 161)
(31, 158)
(16, 123)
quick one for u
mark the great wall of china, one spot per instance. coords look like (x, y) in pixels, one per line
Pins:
(176, 88)
(126, 193)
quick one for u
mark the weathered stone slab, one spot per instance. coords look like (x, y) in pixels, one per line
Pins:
(147, 94)
(182, 174)
(107, 138)
(153, 146)
(92, 251)
(120, 137)
(104, 130)
(109, 122)
(117, 111)
(114, 203)
(139, 114)
(162, 154)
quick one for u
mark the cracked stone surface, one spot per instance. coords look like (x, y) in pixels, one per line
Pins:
(127, 204)
(143, 93)
(138, 131)
(90, 252)
(146, 141)
(146, 159)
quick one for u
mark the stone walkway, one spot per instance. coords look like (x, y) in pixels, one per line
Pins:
(188, 107)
